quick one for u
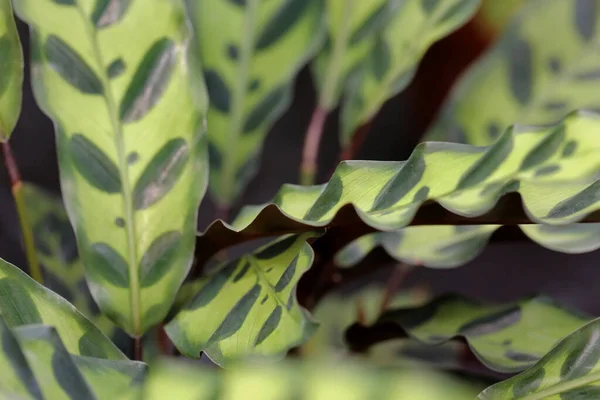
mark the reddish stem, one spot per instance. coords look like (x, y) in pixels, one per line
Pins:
(312, 141)
(164, 343)
(11, 165)
(138, 351)
(350, 151)
(395, 281)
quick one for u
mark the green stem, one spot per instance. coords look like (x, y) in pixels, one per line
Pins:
(17, 190)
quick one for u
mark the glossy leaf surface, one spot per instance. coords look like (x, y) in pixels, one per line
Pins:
(546, 65)
(248, 307)
(36, 365)
(11, 71)
(130, 141)
(57, 251)
(453, 246)
(569, 371)
(555, 187)
(23, 301)
(392, 60)
(251, 51)
(506, 338)
(308, 381)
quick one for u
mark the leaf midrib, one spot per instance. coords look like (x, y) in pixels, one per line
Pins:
(239, 97)
(563, 387)
(134, 287)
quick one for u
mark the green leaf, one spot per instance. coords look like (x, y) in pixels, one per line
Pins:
(11, 71)
(545, 65)
(248, 307)
(453, 246)
(310, 380)
(40, 367)
(569, 371)
(130, 135)
(23, 301)
(251, 52)
(57, 251)
(392, 61)
(485, 185)
(500, 336)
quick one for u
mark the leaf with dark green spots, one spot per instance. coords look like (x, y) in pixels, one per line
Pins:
(109, 12)
(65, 61)
(159, 257)
(568, 371)
(264, 111)
(94, 165)
(391, 43)
(150, 81)
(247, 307)
(484, 186)
(24, 301)
(161, 174)
(528, 76)
(545, 149)
(11, 73)
(120, 82)
(249, 75)
(495, 334)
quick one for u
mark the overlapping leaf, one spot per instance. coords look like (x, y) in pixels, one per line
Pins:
(302, 381)
(248, 307)
(251, 51)
(393, 58)
(506, 338)
(57, 251)
(569, 371)
(130, 141)
(23, 301)
(554, 169)
(36, 365)
(546, 65)
(452, 246)
(11, 71)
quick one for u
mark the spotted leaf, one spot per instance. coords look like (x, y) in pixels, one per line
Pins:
(391, 62)
(543, 67)
(485, 185)
(569, 371)
(248, 306)
(251, 51)
(11, 71)
(24, 301)
(130, 135)
(499, 335)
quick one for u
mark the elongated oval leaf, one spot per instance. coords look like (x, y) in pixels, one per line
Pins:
(11, 71)
(569, 371)
(25, 302)
(251, 52)
(546, 65)
(452, 246)
(130, 141)
(39, 366)
(500, 336)
(248, 307)
(392, 61)
(391, 195)
(57, 251)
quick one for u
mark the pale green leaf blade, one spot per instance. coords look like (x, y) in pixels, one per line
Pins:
(251, 52)
(393, 59)
(11, 71)
(248, 307)
(546, 65)
(130, 135)
(57, 251)
(506, 338)
(310, 380)
(569, 371)
(23, 301)
(516, 179)
(572, 239)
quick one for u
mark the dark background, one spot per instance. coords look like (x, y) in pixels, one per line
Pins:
(505, 271)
